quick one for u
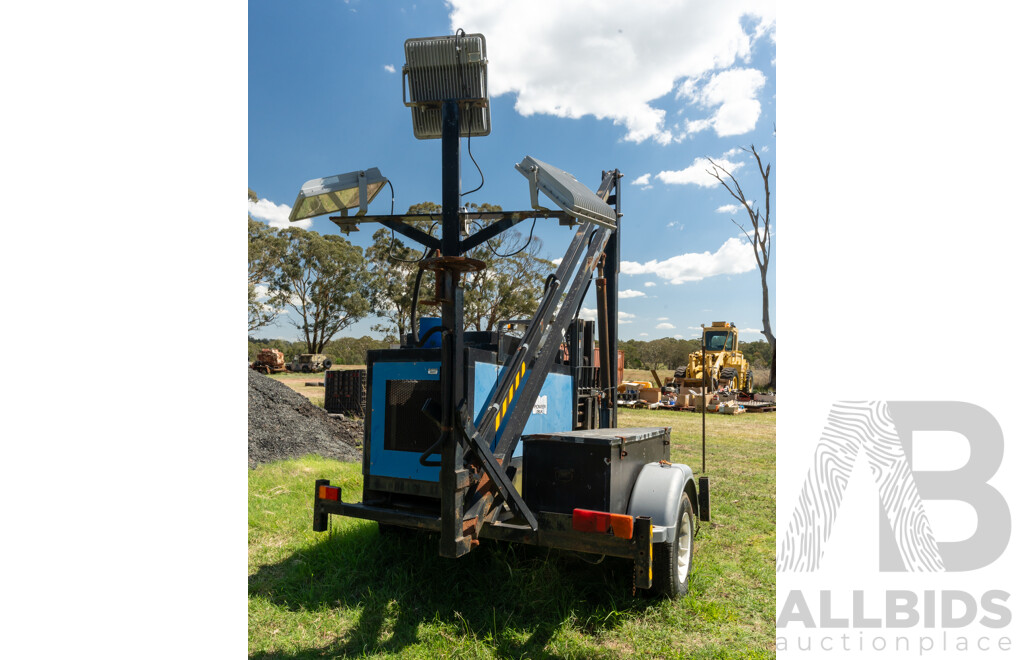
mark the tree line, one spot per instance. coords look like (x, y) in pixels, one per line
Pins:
(666, 353)
(328, 284)
(344, 350)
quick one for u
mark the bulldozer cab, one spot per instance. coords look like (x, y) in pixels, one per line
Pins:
(719, 338)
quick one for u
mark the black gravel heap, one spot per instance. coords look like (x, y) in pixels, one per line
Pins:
(284, 424)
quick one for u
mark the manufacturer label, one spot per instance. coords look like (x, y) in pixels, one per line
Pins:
(541, 406)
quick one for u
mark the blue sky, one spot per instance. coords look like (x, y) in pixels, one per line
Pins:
(584, 86)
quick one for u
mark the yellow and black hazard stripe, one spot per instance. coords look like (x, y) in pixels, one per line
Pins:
(508, 397)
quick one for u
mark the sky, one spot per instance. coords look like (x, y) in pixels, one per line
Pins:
(585, 86)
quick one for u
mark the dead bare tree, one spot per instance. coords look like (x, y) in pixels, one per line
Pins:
(760, 239)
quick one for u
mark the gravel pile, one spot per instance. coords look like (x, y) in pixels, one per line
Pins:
(284, 424)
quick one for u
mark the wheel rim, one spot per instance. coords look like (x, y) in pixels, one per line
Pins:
(683, 549)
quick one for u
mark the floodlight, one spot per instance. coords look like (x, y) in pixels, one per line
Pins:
(450, 68)
(340, 192)
(571, 196)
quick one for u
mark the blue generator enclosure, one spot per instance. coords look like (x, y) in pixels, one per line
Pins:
(395, 396)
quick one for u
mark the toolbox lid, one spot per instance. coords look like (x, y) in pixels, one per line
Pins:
(600, 436)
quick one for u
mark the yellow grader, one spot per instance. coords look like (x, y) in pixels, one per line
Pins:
(723, 362)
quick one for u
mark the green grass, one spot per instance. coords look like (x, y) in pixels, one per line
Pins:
(352, 592)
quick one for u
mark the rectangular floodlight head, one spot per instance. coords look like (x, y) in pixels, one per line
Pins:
(449, 68)
(563, 189)
(337, 193)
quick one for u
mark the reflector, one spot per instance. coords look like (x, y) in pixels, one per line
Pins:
(584, 520)
(337, 193)
(330, 493)
(563, 189)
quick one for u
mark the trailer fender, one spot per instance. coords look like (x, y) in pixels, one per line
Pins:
(658, 492)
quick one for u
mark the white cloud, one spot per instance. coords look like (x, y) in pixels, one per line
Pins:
(677, 336)
(588, 314)
(697, 125)
(390, 68)
(644, 334)
(733, 258)
(650, 284)
(697, 173)
(662, 318)
(643, 180)
(728, 208)
(733, 93)
(664, 326)
(276, 215)
(557, 261)
(617, 63)
(630, 293)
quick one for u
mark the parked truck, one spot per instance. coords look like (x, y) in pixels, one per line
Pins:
(310, 363)
(490, 436)
(269, 361)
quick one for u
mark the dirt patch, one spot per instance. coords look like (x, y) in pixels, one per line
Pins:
(284, 424)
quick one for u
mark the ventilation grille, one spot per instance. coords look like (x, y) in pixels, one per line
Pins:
(406, 427)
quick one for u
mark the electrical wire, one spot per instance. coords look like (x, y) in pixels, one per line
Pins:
(391, 248)
(459, 34)
(512, 254)
(469, 148)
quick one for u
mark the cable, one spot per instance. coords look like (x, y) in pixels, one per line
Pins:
(391, 248)
(512, 254)
(469, 148)
(459, 34)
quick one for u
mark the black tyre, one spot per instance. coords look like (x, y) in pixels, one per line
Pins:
(749, 387)
(327, 365)
(672, 561)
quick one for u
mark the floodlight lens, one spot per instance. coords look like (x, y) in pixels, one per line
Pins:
(333, 194)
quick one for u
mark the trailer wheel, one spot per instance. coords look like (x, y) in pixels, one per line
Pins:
(672, 561)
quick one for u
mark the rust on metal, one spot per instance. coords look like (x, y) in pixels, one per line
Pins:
(454, 264)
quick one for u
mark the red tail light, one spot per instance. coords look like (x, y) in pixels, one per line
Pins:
(330, 493)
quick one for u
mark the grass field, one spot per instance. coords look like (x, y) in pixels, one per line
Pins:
(352, 592)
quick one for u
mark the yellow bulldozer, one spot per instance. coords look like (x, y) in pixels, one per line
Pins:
(723, 362)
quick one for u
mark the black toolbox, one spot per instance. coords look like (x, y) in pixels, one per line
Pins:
(588, 469)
